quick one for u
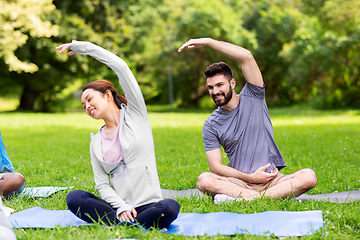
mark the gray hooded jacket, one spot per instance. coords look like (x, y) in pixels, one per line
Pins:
(133, 182)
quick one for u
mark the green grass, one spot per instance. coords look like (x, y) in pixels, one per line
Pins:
(53, 149)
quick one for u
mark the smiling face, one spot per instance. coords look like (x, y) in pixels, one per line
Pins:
(95, 103)
(220, 89)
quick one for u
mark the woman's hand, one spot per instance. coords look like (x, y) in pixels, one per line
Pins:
(65, 46)
(128, 215)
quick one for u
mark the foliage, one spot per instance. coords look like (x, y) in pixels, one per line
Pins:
(22, 21)
(98, 22)
(324, 54)
(307, 50)
(18, 19)
(175, 22)
(274, 23)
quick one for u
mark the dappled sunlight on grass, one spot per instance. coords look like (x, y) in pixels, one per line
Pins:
(177, 120)
(41, 120)
(306, 116)
(315, 120)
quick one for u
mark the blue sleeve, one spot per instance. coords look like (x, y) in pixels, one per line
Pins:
(5, 163)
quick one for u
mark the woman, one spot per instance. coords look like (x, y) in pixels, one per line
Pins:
(122, 152)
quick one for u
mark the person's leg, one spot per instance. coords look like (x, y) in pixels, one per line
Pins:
(213, 184)
(6, 231)
(292, 185)
(158, 215)
(90, 208)
(11, 183)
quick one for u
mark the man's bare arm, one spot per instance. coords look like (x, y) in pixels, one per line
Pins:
(215, 163)
(249, 66)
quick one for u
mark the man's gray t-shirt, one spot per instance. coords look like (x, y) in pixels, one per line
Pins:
(246, 133)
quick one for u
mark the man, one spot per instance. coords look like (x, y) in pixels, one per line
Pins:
(242, 126)
(11, 182)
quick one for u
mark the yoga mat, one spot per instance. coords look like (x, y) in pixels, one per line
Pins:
(341, 197)
(41, 191)
(38, 217)
(188, 193)
(281, 224)
(193, 224)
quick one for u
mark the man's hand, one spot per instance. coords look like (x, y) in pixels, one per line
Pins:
(249, 66)
(128, 215)
(260, 176)
(195, 43)
(65, 46)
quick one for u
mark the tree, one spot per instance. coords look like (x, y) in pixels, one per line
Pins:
(307, 50)
(96, 21)
(324, 53)
(274, 23)
(165, 26)
(18, 20)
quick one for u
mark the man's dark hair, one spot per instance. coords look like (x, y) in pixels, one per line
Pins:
(217, 68)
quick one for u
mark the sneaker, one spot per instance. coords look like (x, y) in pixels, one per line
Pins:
(223, 198)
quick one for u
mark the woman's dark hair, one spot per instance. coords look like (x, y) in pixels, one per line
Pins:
(218, 68)
(104, 85)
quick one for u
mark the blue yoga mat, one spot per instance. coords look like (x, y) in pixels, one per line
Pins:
(41, 191)
(38, 217)
(279, 223)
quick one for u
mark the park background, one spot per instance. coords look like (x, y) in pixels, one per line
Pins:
(307, 50)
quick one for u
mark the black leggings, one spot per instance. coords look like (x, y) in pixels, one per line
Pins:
(91, 208)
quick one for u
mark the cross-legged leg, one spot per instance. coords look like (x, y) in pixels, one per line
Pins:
(293, 185)
(158, 215)
(91, 208)
(213, 184)
(11, 183)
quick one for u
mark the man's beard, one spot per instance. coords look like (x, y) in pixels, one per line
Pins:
(227, 98)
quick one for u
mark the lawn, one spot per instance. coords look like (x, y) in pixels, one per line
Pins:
(53, 149)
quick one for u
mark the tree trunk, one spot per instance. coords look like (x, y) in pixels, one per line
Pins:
(28, 98)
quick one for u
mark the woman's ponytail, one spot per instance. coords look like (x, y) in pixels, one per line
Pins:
(104, 85)
(118, 99)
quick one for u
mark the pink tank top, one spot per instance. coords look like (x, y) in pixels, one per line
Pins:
(111, 147)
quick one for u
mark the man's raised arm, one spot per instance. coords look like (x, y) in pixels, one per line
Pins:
(249, 66)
